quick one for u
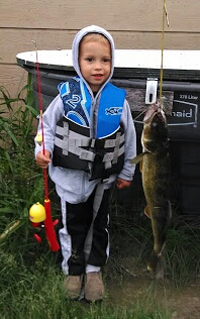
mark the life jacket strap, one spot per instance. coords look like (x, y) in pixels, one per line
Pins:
(74, 146)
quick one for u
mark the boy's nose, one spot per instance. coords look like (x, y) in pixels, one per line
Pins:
(98, 65)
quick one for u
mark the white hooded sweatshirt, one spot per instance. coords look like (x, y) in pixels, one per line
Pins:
(74, 186)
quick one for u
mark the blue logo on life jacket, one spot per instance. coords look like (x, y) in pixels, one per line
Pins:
(113, 111)
(76, 100)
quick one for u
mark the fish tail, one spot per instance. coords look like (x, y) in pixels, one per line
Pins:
(155, 265)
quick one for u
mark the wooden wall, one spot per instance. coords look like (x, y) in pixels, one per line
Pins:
(134, 24)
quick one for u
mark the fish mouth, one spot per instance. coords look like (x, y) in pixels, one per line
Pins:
(152, 112)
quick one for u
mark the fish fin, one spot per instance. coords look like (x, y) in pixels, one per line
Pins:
(156, 265)
(147, 212)
(138, 158)
(159, 273)
(141, 165)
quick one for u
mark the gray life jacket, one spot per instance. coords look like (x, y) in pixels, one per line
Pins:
(74, 148)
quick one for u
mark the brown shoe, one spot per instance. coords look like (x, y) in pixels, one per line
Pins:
(94, 288)
(72, 285)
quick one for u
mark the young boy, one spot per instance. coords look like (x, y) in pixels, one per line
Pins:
(89, 141)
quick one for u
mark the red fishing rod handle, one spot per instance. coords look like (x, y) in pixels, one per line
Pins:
(49, 227)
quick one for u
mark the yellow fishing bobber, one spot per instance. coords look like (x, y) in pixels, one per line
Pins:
(37, 214)
(39, 139)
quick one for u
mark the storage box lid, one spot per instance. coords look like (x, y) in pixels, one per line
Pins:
(177, 64)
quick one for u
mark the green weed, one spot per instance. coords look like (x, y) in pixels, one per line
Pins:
(20, 181)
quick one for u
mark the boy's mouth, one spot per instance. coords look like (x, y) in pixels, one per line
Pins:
(98, 76)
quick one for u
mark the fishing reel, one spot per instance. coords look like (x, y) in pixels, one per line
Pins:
(37, 216)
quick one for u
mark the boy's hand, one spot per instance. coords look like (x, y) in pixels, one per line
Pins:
(43, 160)
(121, 183)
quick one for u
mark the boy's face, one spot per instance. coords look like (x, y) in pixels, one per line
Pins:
(95, 62)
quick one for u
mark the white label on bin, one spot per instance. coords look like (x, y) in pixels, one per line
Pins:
(180, 107)
(184, 113)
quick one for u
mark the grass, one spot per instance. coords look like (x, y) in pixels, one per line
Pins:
(182, 263)
(30, 275)
(36, 293)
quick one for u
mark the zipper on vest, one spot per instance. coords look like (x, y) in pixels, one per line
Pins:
(94, 108)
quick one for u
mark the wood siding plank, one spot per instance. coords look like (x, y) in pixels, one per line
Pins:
(14, 41)
(13, 78)
(138, 15)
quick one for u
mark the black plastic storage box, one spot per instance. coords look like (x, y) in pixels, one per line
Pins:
(138, 71)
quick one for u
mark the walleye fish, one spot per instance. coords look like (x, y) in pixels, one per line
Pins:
(155, 169)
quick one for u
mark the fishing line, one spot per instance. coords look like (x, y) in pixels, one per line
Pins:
(139, 114)
(46, 191)
(165, 15)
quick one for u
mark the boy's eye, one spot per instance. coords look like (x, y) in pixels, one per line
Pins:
(106, 60)
(89, 59)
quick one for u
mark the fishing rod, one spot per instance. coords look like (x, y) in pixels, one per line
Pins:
(39, 213)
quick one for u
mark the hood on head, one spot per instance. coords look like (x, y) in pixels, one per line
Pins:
(76, 43)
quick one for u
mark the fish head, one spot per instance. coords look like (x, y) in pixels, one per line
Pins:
(155, 131)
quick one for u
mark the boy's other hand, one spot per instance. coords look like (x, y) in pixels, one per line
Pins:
(121, 183)
(43, 160)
